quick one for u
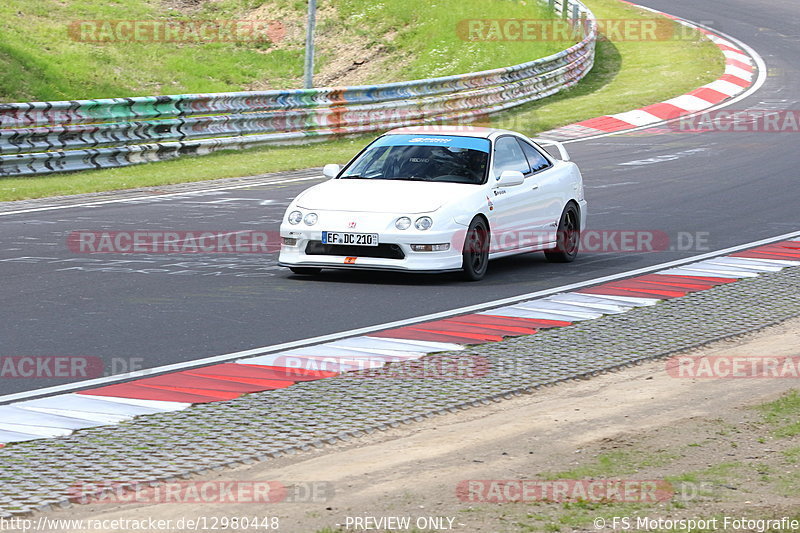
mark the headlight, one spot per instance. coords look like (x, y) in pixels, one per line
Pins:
(423, 223)
(403, 223)
(295, 217)
(310, 219)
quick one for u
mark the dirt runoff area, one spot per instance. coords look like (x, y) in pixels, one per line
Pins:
(635, 450)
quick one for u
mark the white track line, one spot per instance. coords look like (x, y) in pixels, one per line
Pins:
(158, 196)
(389, 325)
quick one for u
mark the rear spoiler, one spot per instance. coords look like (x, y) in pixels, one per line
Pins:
(562, 150)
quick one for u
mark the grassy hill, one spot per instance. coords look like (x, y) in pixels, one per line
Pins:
(44, 55)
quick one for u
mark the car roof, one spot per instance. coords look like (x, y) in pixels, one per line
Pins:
(461, 131)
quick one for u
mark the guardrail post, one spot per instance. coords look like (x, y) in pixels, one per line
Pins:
(308, 81)
(575, 11)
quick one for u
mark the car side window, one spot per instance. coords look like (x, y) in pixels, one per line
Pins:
(535, 158)
(509, 156)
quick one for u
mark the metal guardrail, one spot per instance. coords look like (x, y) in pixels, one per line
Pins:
(45, 137)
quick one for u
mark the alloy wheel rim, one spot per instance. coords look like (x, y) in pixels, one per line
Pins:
(476, 250)
(570, 233)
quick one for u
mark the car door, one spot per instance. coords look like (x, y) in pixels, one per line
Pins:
(512, 207)
(546, 186)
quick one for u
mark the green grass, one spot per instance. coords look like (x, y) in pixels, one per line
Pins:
(575, 515)
(788, 483)
(783, 415)
(783, 419)
(433, 44)
(792, 455)
(626, 75)
(616, 463)
(718, 474)
(41, 59)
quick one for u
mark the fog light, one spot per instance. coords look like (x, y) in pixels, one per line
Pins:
(430, 247)
(289, 241)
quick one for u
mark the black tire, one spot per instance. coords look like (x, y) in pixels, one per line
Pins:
(568, 237)
(306, 271)
(476, 250)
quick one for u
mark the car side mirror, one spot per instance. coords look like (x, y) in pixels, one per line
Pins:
(331, 170)
(509, 178)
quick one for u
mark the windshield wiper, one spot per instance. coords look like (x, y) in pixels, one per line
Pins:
(354, 177)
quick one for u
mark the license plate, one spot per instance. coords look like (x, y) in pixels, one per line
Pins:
(353, 239)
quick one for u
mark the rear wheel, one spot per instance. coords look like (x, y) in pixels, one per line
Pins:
(568, 237)
(306, 271)
(476, 250)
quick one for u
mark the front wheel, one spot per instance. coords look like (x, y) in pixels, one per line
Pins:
(476, 250)
(568, 237)
(306, 271)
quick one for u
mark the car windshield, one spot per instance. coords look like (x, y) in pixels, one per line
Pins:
(439, 158)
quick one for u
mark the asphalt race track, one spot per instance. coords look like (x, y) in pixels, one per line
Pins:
(140, 310)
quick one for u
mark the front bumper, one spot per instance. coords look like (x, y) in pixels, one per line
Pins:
(357, 257)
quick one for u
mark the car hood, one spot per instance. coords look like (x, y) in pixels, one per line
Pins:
(382, 196)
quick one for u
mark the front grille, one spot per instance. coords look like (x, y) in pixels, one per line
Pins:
(382, 251)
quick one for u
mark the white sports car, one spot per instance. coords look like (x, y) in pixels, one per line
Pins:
(437, 199)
